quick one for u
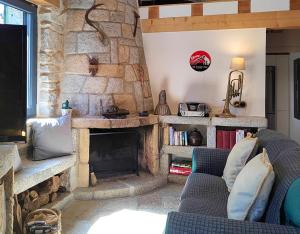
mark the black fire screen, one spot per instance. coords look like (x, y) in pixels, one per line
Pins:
(113, 152)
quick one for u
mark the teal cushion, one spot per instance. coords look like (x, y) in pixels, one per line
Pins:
(292, 204)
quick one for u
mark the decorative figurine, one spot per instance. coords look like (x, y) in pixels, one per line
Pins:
(93, 66)
(162, 107)
(195, 138)
(65, 108)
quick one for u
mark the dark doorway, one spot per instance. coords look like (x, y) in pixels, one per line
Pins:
(271, 96)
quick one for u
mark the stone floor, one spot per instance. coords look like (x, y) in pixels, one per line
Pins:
(141, 214)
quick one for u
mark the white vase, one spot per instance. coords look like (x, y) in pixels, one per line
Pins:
(66, 112)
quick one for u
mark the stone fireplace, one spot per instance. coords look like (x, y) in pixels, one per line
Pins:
(148, 150)
(66, 44)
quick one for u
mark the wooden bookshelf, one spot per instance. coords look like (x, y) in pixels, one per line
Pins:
(211, 123)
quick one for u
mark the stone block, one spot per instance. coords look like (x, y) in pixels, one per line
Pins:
(88, 42)
(139, 38)
(79, 4)
(134, 55)
(83, 175)
(123, 54)
(125, 101)
(48, 96)
(51, 40)
(133, 3)
(70, 43)
(146, 89)
(114, 51)
(121, 6)
(104, 58)
(130, 74)
(84, 144)
(127, 31)
(77, 64)
(94, 85)
(74, 20)
(127, 42)
(109, 70)
(94, 104)
(72, 83)
(52, 57)
(128, 87)
(109, 5)
(129, 14)
(79, 103)
(148, 104)
(138, 92)
(117, 16)
(112, 29)
(99, 15)
(114, 85)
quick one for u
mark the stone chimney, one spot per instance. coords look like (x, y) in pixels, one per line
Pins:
(122, 78)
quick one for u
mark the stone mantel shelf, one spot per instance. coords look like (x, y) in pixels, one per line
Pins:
(129, 122)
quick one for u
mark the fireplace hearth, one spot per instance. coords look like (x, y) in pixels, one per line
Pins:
(113, 152)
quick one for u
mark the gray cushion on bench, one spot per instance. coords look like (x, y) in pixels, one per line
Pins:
(52, 138)
(205, 194)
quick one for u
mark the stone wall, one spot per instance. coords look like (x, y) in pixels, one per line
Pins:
(122, 78)
(50, 60)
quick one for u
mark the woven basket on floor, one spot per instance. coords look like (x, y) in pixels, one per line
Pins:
(50, 216)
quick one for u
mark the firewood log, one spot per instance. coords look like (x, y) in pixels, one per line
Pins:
(53, 197)
(44, 198)
(55, 183)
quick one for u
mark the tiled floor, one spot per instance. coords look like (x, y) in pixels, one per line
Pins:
(141, 214)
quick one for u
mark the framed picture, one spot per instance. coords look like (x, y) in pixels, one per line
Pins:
(297, 88)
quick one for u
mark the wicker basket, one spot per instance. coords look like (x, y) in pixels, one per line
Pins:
(50, 216)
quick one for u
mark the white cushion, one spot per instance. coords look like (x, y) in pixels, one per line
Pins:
(250, 192)
(237, 159)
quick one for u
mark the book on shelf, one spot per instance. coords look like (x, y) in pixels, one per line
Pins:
(181, 167)
(226, 139)
(178, 138)
(180, 171)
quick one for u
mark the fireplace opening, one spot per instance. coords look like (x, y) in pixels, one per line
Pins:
(113, 152)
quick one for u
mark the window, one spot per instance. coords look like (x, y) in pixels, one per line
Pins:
(18, 12)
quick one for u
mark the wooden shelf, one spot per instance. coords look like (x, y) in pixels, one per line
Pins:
(174, 119)
(183, 151)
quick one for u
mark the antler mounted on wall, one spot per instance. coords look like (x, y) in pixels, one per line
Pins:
(102, 35)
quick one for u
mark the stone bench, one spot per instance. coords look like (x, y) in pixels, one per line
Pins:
(35, 172)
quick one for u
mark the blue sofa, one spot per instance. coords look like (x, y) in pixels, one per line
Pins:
(203, 206)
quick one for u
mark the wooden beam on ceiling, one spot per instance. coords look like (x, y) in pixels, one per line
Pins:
(55, 3)
(272, 20)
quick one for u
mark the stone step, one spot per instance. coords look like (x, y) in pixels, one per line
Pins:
(131, 186)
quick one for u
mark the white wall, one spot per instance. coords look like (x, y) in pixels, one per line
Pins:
(294, 123)
(168, 55)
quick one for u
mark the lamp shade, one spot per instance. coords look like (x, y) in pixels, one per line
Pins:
(237, 63)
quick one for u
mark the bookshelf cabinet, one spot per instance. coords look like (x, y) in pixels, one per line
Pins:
(210, 124)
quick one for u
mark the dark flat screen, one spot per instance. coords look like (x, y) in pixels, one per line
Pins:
(13, 74)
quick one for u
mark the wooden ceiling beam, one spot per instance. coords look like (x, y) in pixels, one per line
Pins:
(272, 20)
(55, 3)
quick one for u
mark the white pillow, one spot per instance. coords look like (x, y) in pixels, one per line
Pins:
(237, 159)
(250, 192)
